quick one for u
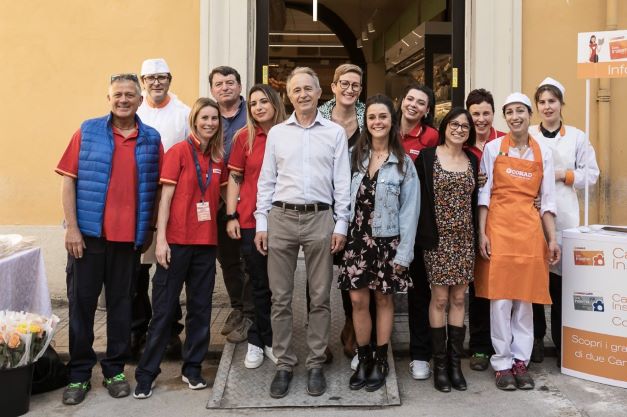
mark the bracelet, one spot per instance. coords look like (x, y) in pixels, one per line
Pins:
(233, 216)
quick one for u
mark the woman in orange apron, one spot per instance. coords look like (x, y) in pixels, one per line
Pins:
(516, 243)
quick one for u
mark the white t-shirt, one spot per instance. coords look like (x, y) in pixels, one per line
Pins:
(170, 121)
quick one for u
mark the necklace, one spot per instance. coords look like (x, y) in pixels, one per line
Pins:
(381, 155)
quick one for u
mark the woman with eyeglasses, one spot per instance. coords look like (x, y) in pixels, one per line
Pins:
(515, 242)
(346, 110)
(572, 153)
(416, 118)
(192, 176)
(265, 110)
(448, 176)
(384, 213)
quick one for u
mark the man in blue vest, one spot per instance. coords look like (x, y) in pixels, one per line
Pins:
(110, 175)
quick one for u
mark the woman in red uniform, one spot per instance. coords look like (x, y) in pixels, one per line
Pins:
(264, 111)
(513, 270)
(191, 177)
(416, 117)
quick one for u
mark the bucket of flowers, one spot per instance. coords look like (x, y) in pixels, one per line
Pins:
(24, 338)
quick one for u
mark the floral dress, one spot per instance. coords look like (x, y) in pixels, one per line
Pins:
(368, 261)
(452, 262)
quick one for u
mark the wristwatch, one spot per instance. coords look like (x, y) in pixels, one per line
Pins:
(232, 216)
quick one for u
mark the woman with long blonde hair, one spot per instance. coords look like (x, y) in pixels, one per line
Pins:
(264, 111)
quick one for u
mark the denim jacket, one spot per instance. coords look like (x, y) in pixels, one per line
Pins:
(397, 204)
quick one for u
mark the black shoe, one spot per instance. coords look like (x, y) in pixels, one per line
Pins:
(316, 383)
(537, 354)
(75, 392)
(174, 348)
(194, 382)
(441, 380)
(358, 379)
(281, 383)
(379, 369)
(455, 347)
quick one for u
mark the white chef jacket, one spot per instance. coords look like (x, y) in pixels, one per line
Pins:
(171, 121)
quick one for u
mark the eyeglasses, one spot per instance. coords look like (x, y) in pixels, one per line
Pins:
(345, 84)
(128, 77)
(454, 126)
(162, 78)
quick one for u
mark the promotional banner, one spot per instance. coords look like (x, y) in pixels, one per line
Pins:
(602, 54)
(594, 306)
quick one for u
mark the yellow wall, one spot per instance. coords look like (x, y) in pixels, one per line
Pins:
(549, 47)
(56, 58)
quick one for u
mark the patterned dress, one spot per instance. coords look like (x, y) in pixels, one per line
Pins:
(368, 261)
(452, 262)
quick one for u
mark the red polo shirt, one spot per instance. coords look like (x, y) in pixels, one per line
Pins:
(250, 165)
(478, 152)
(120, 214)
(419, 138)
(179, 169)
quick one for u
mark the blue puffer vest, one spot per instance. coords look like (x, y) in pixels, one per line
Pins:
(94, 171)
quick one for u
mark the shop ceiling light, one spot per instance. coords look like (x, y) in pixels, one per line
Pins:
(315, 10)
(371, 27)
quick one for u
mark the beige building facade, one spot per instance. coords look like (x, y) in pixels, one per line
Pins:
(57, 58)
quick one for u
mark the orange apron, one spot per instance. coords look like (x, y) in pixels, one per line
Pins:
(518, 268)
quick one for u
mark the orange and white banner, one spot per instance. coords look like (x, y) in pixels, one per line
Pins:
(602, 54)
(594, 306)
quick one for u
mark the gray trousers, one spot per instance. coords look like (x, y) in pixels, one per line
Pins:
(288, 230)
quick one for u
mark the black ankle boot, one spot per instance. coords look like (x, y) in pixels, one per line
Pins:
(358, 379)
(455, 353)
(441, 380)
(379, 369)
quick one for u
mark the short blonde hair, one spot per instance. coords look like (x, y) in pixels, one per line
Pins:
(303, 70)
(345, 69)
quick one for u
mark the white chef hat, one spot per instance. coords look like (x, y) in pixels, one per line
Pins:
(154, 66)
(517, 98)
(554, 83)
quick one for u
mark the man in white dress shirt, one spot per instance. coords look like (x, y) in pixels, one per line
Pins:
(162, 110)
(303, 199)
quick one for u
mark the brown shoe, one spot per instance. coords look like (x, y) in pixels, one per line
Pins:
(348, 338)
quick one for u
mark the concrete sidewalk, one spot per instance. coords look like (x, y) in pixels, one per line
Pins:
(555, 394)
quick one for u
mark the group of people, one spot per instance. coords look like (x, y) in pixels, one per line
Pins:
(399, 206)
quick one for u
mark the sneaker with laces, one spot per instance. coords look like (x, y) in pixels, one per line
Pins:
(195, 382)
(355, 362)
(521, 375)
(232, 322)
(505, 380)
(419, 369)
(479, 361)
(267, 350)
(143, 390)
(254, 357)
(75, 392)
(117, 386)
(240, 333)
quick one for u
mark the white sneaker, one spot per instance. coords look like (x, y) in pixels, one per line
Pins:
(254, 357)
(267, 350)
(355, 362)
(419, 369)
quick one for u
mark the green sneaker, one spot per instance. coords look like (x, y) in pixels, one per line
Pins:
(117, 386)
(479, 362)
(75, 392)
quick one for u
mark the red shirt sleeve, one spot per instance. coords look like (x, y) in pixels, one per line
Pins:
(68, 165)
(171, 167)
(237, 159)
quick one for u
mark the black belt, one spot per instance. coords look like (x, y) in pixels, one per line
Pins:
(301, 207)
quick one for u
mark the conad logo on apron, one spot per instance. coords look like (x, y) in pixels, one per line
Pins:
(519, 174)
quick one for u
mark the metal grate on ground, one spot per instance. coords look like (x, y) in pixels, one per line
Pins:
(238, 387)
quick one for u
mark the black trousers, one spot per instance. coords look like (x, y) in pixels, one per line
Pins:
(479, 323)
(236, 281)
(114, 265)
(418, 299)
(194, 266)
(539, 319)
(260, 333)
(142, 310)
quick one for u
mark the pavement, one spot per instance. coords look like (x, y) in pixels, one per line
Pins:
(555, 394)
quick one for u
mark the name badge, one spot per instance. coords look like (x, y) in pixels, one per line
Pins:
(202, 211)
(414, 151)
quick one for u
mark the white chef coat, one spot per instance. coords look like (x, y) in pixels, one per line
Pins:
(171, 120)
